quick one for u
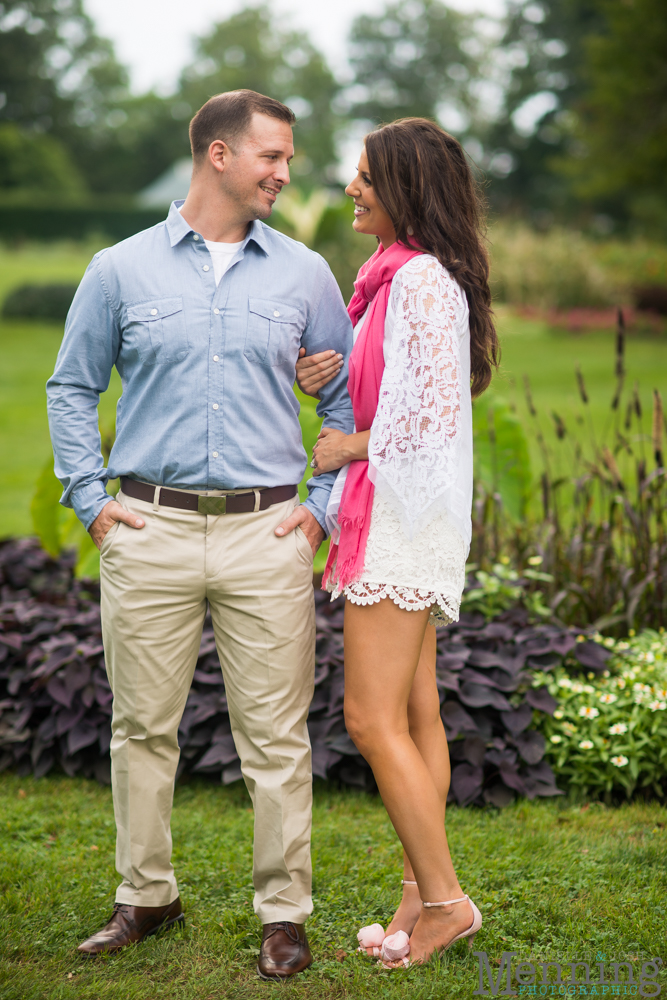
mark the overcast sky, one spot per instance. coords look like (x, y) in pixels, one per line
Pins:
(154, 37)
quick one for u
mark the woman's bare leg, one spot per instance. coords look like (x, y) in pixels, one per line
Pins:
(428, 735)
(383, 645)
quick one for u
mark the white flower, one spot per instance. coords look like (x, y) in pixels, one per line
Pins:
(609, 642)
(608, 699)
(588, 712)
(620, 761)
(660, 693)
(586, 745)
(629, 674)
(569, 728)
(565, 682)
(622, 646)
(577, 688)
(556, 739)
(588, 689)
(618, 729)
(558, 714)
(620, 683)
(535, 561)
(658, 706)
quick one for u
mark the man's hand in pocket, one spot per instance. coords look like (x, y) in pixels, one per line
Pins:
(110, 513)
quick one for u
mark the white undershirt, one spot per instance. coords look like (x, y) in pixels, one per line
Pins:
(222, 254)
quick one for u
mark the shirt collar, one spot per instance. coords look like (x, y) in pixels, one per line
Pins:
(178, 229)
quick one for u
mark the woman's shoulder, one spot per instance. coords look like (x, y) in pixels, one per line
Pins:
(426, 271)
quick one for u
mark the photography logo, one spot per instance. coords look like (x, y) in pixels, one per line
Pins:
(597, 979)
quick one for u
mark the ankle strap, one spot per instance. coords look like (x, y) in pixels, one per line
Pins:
(447, 902)
(407, 881)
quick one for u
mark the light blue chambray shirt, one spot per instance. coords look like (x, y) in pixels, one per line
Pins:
(207, 372)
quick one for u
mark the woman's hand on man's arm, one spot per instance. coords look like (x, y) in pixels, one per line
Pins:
(315, 371)
(333, 449)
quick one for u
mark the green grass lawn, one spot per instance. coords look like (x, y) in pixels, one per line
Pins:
(28, 351)
(554, 882)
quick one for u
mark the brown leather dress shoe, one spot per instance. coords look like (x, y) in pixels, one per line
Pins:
(284, 951)
(131, 924)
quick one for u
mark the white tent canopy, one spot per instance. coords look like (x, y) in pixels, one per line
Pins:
(173, 184)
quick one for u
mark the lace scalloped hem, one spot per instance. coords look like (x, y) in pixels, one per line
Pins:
(444, 610)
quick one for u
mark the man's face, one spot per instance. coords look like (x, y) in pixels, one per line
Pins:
(258, 167)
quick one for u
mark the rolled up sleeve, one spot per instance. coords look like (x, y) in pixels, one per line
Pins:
(329, 328)
(83, 370)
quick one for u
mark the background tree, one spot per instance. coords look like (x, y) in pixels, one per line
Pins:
(34, 165)
(57, 77)
(248, 50)
(415, 58)
(539, 65)
(622, 115)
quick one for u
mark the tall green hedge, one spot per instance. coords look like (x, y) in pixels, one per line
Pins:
(75, 223)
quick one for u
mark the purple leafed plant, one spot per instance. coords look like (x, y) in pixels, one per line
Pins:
(55, 702)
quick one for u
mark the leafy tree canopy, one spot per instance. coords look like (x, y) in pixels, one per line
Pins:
(539, 59)
(622, 125)
(56, 75)
(249, 51)
(415, 58)
(36, 162)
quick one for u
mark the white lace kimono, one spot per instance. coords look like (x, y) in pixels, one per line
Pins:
(420, 450)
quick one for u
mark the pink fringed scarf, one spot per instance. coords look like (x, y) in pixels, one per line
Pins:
(373, 285)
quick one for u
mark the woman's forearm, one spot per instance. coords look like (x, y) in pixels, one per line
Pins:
(356, 446)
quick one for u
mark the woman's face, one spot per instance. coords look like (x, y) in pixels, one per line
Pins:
(369, 215)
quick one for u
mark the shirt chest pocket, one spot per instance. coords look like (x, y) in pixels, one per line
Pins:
(156, 330)
(274, 333)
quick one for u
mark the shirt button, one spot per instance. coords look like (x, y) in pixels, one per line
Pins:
(153, 312)
(195, 238)
(276, 313)
(215, 454)
(215, 406)
(217, 312)
(215, 357)
(206, 267)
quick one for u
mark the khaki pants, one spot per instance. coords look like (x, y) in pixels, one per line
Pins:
(156, 582)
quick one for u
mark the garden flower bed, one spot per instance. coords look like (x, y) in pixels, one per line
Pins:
(531, 707)
(609, 732)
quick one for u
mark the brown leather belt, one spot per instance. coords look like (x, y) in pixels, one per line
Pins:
(232, 503)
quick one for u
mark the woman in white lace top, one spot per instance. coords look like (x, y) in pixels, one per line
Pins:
(400, 511)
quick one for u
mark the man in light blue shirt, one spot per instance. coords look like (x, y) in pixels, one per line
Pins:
(204, 316)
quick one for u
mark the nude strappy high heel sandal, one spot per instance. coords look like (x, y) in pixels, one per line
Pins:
(395, 949)
(373, 936)
(474, 927)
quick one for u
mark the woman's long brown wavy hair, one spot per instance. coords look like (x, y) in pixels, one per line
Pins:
(423, 180)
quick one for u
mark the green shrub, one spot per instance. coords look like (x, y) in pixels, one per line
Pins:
(562, 268)
(501, 589)
(548, 270)
(39, 302)
(609, 733)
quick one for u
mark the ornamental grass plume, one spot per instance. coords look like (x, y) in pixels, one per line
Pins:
(601, 533)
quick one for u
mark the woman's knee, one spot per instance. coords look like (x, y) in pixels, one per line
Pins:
(424, 709)
(368, 730)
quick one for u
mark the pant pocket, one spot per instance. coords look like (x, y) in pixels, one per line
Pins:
(108, 539)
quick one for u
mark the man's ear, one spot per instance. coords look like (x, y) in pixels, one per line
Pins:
(219, 154)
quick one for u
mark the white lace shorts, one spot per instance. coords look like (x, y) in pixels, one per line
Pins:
(427, 572)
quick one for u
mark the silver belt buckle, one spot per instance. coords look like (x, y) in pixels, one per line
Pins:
(212, 505)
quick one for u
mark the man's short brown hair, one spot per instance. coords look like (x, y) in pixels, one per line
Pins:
(227, 117)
